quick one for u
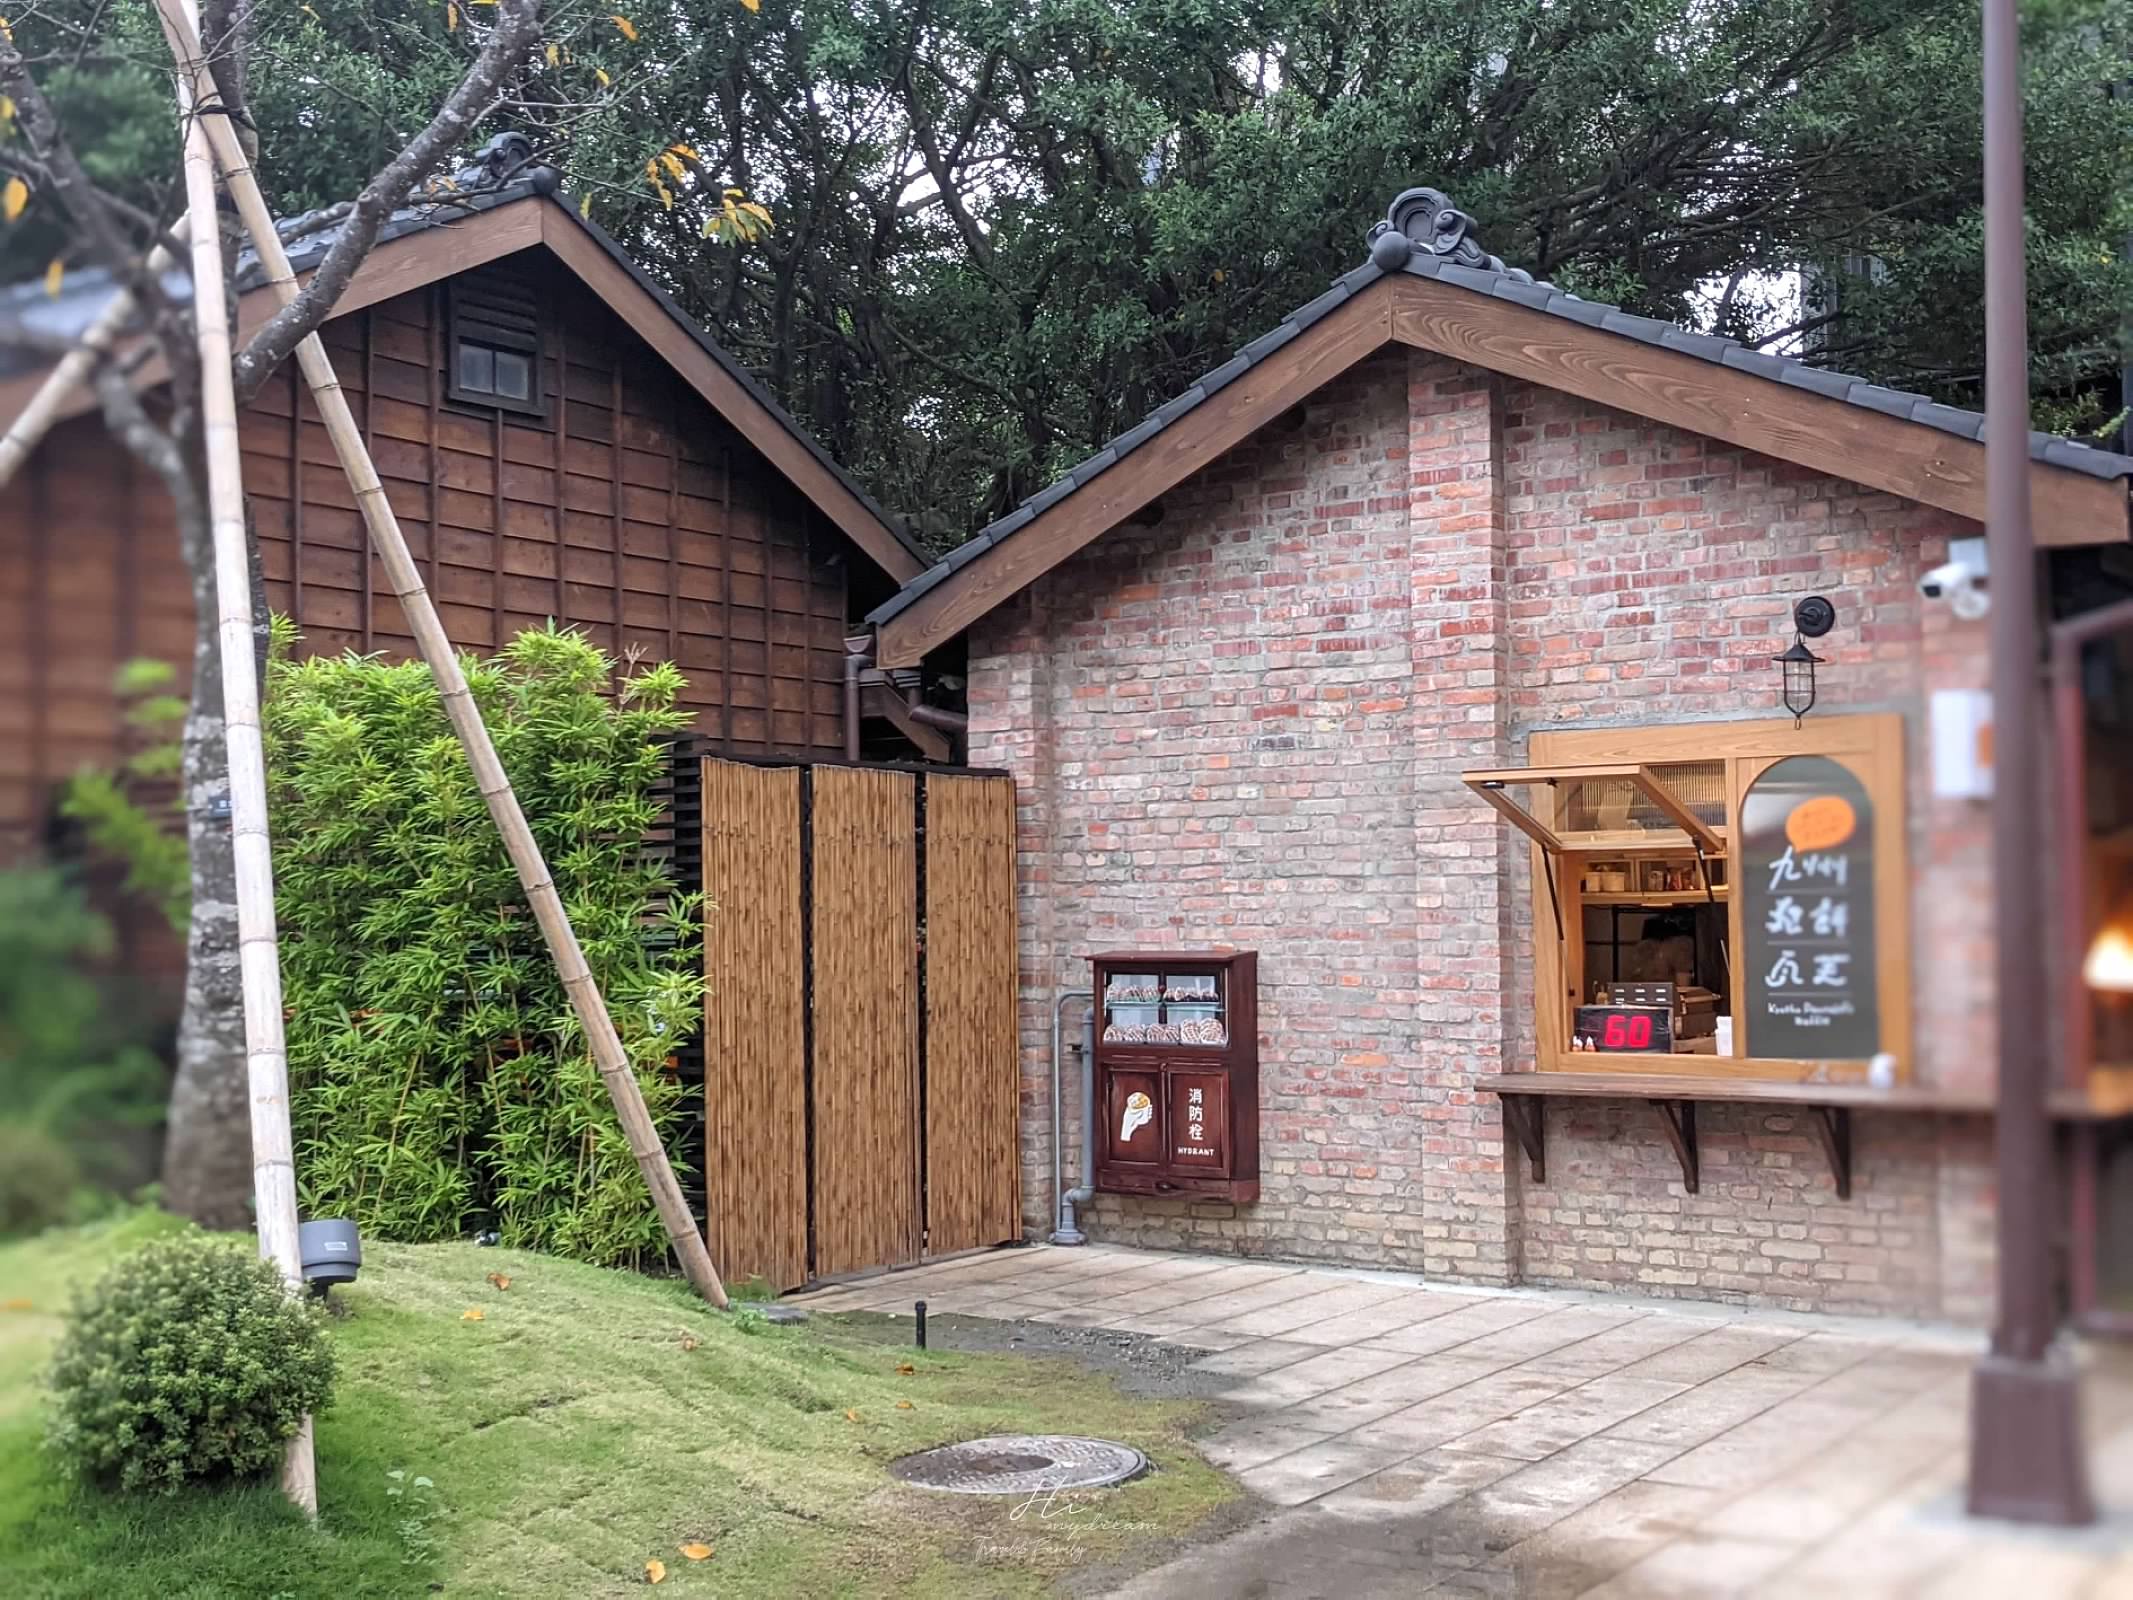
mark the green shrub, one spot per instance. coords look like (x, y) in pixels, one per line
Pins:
(38, 1178)
(188, 1361)
(439, 1080)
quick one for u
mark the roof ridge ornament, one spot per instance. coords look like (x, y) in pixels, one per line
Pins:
(1426, 219)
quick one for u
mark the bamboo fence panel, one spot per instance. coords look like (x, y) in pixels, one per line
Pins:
(973, 1098)
(866, 1177)
(755, 1072)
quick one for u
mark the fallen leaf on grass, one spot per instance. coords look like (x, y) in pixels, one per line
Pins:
(905, 1368)
(655, 1572)
(472, 1314)
(851, 1416)
(905, 1405)
(696, 1552)
(500, 1280)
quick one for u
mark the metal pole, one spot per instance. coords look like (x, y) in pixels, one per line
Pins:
(2026, 1458)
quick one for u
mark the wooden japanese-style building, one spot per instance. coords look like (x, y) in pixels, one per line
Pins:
(559, 441)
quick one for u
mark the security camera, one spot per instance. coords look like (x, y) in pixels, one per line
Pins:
(1961, 581)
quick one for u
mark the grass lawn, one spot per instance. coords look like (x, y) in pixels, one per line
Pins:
(585, 1423)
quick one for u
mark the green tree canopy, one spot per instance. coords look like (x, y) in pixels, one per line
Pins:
(1004, 232)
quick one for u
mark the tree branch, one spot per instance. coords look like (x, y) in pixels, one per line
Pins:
(517, 26)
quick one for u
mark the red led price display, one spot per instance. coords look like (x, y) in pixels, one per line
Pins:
(1625, 1028)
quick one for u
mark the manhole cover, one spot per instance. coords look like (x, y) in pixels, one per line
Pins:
(1021, 1463)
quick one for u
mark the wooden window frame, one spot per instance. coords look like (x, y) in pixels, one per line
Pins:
(1490, 785)
(1870, 746)
(466, 321)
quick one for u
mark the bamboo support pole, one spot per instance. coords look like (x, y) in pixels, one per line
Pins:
(405, 580)
(266, 1052)
(72, 370)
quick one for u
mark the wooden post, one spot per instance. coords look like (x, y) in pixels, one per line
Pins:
(2027, 1457)
(266, 1054)
(27, 431)
(436, 648)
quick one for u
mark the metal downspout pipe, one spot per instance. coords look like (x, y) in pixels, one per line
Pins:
(858, 651)
(1065, 1199)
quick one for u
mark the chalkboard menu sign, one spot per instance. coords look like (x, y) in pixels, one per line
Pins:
(1807, 913)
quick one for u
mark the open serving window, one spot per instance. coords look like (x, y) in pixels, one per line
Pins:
(1719, 898)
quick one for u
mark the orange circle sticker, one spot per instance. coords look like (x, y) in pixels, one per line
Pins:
(1822, 823)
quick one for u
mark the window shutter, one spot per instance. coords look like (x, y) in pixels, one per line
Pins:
(495, 322)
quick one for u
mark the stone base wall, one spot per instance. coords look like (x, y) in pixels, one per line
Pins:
(1765, 1226)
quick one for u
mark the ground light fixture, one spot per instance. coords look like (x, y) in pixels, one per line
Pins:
(332, 1251)
(1812, 617)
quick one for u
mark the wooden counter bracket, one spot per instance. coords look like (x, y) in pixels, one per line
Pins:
(1832, 1127)
(1677, 1120)
(1826, 1107)
(1527, 1118)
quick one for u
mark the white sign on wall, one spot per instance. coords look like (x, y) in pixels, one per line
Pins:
(1962, 744)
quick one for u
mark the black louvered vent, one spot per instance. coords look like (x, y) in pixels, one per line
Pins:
(496, 342)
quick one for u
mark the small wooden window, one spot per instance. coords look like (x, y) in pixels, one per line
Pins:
(495, 327)
(1652, 848)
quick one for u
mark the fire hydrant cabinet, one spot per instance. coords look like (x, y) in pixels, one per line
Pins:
(1177, 1073)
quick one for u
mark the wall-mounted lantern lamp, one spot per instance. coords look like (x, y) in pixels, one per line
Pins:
(1812, 617)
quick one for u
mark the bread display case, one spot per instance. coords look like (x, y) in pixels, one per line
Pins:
(1177, 1073)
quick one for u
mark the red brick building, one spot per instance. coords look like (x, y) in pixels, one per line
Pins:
(1447, 519)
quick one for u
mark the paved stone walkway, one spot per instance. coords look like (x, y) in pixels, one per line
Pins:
(1413, 1440)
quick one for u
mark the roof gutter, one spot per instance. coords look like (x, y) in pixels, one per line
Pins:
(924, 725)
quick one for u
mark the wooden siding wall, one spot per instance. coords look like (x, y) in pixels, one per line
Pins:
(865, 934)
(630, 510)
(973, 1101)
(90, 578)
(755, 1044)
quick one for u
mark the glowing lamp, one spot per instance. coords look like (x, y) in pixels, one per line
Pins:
(2109, 965)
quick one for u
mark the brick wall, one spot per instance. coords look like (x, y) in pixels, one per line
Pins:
(1244, 725)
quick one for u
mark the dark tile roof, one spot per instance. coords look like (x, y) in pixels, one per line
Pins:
(501, 172)
(498, 175)
(1424, 235)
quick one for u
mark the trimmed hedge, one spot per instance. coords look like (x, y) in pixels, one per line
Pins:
(189, 1361)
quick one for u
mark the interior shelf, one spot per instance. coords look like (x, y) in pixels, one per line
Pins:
(1674, 897)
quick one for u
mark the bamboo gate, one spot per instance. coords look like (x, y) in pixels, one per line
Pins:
(859, 1055)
